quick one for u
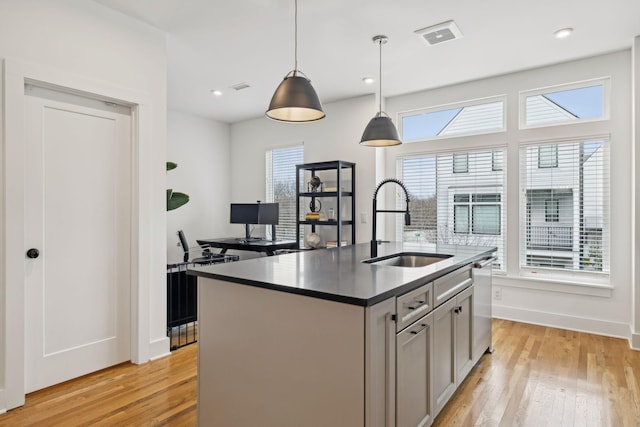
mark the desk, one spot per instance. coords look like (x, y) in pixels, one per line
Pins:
(267, 246)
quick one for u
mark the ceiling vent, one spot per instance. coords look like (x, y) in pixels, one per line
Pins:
(239, 86)
(440, 33)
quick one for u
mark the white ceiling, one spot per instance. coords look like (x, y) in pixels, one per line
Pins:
(214, 44)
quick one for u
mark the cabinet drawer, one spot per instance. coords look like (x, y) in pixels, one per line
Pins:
(413, 305)
(451, 284)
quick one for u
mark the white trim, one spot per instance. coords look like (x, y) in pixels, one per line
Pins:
(159, 348)
(16, 73)
(606, 101)
(562, 321)
(634, 341)
(553, 285)
(3, 402)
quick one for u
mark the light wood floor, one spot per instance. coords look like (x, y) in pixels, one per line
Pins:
(540, 376)
(536, 377)
(162, 392)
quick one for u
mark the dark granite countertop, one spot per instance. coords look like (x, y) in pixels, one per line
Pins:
(338, 274)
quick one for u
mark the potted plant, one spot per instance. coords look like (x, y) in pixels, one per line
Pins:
(174, 198)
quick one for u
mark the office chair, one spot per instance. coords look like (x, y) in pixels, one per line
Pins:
(208, 257)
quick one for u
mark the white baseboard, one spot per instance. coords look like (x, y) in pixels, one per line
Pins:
(634, 341)
(159, 348)
(562, 321)
(3, 402)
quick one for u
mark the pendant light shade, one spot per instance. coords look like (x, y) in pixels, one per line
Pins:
(380, 132)
(295, 100)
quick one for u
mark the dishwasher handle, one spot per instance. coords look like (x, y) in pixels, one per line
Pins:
(483, 263)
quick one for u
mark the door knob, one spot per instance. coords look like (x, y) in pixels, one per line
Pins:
(33, 253)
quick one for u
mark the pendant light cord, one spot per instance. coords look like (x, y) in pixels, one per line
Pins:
(295, 68)
(380, 78)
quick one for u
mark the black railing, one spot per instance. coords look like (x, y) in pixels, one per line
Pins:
(548, 238)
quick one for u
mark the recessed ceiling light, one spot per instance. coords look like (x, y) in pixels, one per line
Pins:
(216, 92)
(368, 80)
(563, 33)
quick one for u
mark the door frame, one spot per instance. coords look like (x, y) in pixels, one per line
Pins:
(16, 74)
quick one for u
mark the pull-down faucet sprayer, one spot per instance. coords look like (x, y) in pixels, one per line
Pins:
(407, 217)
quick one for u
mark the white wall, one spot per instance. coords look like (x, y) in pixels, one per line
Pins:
(81, 38)
(600, 310)
(336, 137)
(201, 148)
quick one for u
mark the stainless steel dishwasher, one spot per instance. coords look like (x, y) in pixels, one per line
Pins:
(482, 307)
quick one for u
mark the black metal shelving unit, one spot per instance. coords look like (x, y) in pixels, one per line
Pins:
(342, 170)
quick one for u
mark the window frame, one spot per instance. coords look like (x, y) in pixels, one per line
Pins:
(606, 102)
(581, 277)
(451, 106)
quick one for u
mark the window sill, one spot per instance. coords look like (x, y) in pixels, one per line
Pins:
(554, 284)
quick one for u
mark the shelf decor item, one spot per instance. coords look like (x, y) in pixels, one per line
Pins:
(314, 184)
(313, 240)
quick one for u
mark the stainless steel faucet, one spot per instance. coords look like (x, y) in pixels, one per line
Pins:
(407, 217)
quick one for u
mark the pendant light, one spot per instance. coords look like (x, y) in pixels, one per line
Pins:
(380, 132)
(295, 100)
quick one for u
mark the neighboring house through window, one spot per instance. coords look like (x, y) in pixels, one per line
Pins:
(566, 221)
(459, 197)
(448, 207)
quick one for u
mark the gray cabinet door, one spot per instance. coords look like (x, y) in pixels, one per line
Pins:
(380, 364)
(413, 386)
(463, 335)
(444, 373)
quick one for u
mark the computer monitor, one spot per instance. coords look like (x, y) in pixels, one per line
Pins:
(244, 213)
(268, 213)
(254, 213)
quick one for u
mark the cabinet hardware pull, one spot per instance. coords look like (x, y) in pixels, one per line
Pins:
(413, 307)
(483, 263)
(423, 327)
(458, 309)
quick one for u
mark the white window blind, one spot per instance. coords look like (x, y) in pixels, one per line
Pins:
(454, 208)
(281, 187)
(564, 218)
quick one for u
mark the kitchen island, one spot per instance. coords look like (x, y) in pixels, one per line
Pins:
(310, 338)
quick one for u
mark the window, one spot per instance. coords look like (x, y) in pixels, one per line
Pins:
(548, 156)
(571, 103)
(460, 163)
(486, 214)
(451, 208)
(564, 216)
(465, 118)
(281, 187)
(461, 213)
(551, 210)
(497, 160)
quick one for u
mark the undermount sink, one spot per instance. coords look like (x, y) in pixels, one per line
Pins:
(407, 259)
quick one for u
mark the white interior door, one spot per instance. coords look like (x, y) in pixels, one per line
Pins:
(78, 216)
